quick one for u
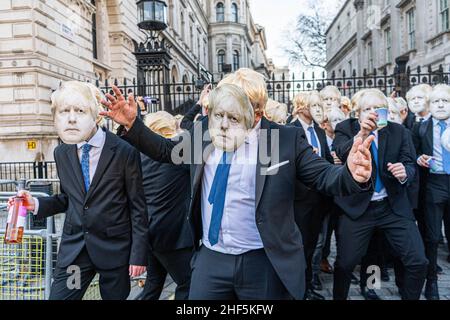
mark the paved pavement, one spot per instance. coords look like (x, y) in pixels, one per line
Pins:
(388, 290)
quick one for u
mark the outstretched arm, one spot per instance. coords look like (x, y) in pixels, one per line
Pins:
(319, 174)
(123, 111)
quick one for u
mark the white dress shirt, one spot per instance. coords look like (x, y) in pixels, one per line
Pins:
(437, 146)
(97, 142)
(238, 233)
(419, 118)
(308, 134)
(330, 143)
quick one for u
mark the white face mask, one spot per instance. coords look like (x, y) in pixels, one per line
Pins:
(445, 139)
(335, 121)
(440, 105)
(394, 116)
(317, 113)
(371, 104)
(417, 103)
(227, 126)
(330, 102)
(74, 124)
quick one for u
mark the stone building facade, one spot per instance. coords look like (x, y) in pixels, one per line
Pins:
(371, 34)
(43, 42)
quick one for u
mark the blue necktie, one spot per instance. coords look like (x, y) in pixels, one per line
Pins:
(85, 165)
(217, 197)
(378, 183)
(314, 141)
(445, 152)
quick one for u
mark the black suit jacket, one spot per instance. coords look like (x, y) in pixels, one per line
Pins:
(111, 219)
(410, 120)
(304, 196)
(167, 192)
(423, 137)
(394, 145)
(188, 120)
(274, 193)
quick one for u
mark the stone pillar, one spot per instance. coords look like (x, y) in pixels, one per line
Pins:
(229, 51)
(227, 10)
(243, 61)
(359, 6)
(213, 56)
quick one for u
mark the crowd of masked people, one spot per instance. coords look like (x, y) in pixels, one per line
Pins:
(253, 214)
(398, 225)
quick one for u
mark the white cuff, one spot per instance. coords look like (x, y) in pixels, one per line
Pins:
(36, 206)
(405, 181)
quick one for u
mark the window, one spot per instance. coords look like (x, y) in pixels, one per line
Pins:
(94, 33)
(236, 64)
(191, 38)
(370, 56)
(444, 14)
(220, 12)
(388, 44)
(411, 18)
(235, 12)
(350, 67)
(220, 60)
(183, 26)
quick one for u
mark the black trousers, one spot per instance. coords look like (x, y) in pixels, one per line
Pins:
(175, 263)
(332, 225)
(249, 276)
(437, 209)
(114, 283)
(373, 257)
(309, 219)
(353, 238)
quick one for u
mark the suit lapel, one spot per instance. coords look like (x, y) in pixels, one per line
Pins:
(429, 138)
(105, 158)
(74, 161)
(261, 168)
(322, 139)
(207, 149)
(382, 141)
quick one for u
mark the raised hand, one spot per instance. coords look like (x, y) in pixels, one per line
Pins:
(359, 161)
(368, 126)
(121, 110)
(398, 170)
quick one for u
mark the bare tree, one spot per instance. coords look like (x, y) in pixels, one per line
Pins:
(307, 43)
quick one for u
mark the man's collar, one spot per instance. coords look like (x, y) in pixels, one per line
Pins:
(424, 118)
(436, 121)
(253, 134)
(96, 140)
(305, 125)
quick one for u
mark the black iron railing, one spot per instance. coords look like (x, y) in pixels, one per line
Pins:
(177, 98)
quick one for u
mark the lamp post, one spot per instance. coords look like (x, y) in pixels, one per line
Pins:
(152, 55)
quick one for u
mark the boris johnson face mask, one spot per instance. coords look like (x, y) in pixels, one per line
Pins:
(440, 103)
(74, 119)
(227, 125)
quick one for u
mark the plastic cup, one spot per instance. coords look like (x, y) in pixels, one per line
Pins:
(382, 117)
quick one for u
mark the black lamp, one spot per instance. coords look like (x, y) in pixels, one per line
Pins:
(152, 15)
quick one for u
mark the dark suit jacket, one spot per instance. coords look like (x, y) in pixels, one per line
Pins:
(189, 117)
(167, 193)
(410, 120)
(274, 193)
(111, 219)
(394, 145)
(305, 196)
(423, 137)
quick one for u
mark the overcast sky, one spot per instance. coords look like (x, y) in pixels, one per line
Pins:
(278, 16)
